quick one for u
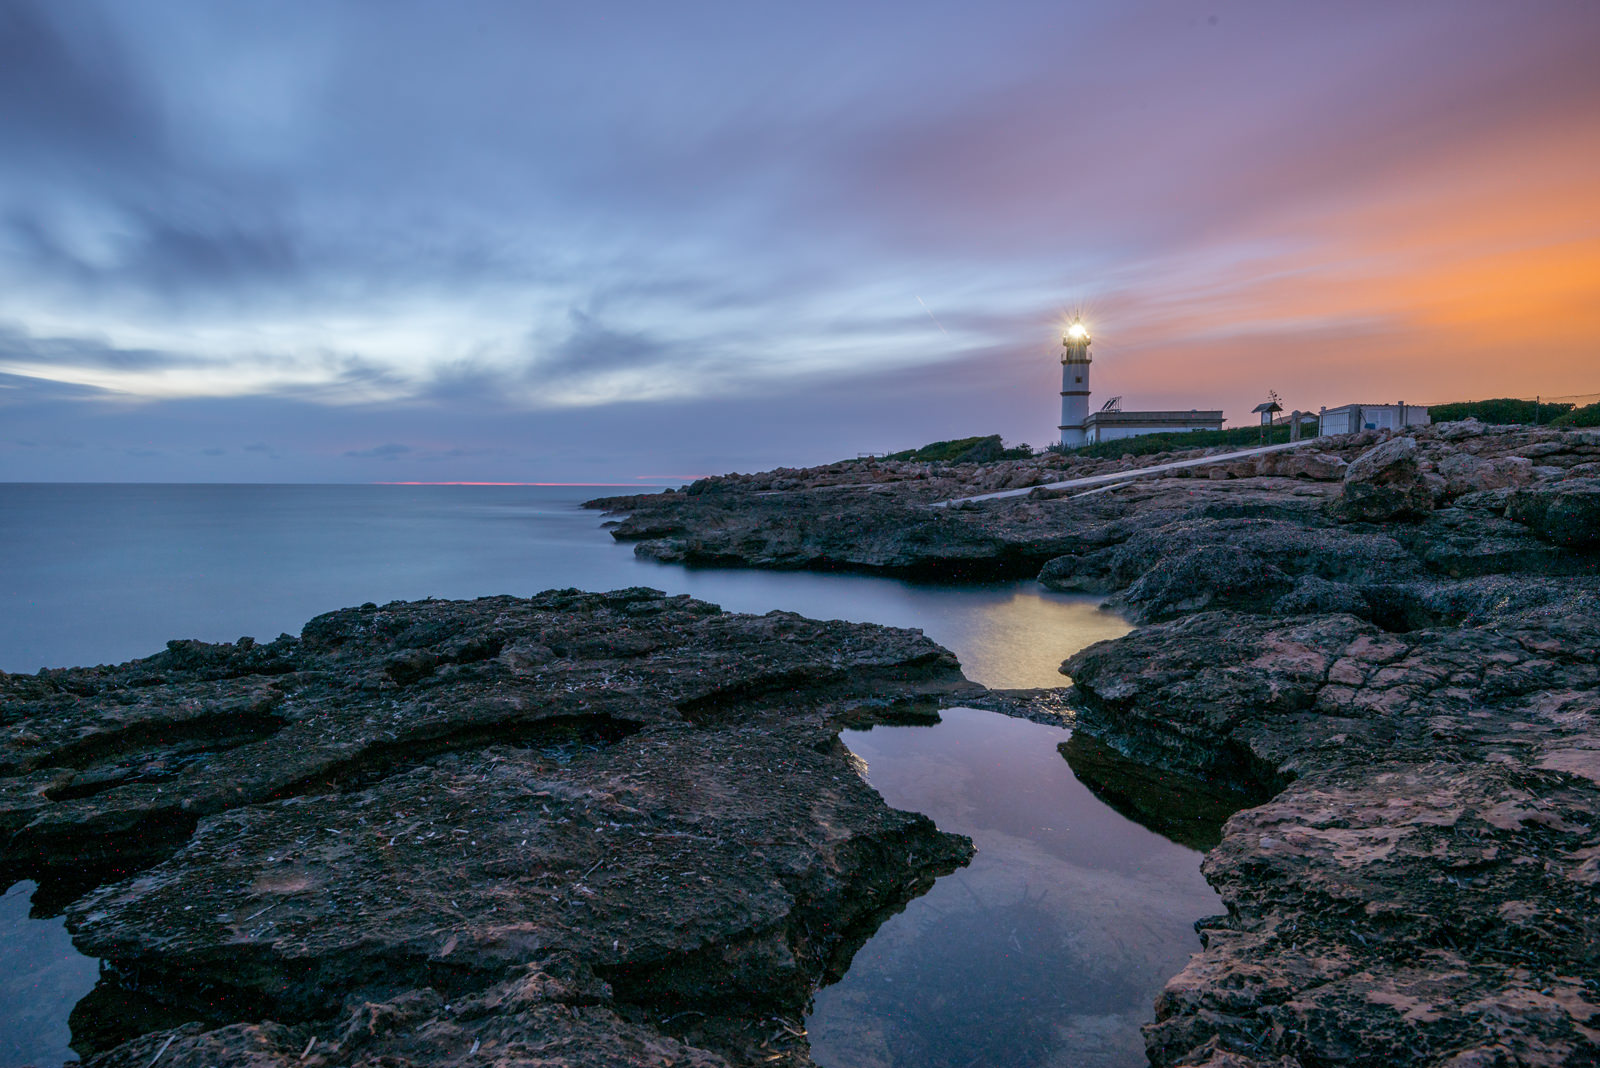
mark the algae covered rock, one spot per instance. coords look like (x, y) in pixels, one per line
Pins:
(1565, 512)
(1430, 847)
(1465, 473)
(510, 830)
(1385, 482)
(1408, 693)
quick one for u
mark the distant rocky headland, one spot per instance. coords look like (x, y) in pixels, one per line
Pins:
(1392, 643)
(599, 829)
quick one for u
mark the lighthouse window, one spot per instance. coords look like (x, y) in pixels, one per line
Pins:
(1078, 379)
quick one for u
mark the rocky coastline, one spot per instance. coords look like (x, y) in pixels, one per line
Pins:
(594, 829)
(577, 829)
(1388, 644)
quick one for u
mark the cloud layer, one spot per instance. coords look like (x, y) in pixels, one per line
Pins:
(346, 242)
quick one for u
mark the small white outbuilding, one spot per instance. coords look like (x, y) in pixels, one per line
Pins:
(1352, 418)
(1110, 424)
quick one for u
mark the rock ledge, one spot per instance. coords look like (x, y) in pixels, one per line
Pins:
(577, 829)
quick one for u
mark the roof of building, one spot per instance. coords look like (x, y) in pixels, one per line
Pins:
(1193, 415)
(1268, 406)
(1378, 404)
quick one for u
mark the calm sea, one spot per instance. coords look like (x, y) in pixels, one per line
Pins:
(97, 574)
(1051, 945)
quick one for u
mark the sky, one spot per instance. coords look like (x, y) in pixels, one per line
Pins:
(357, 241)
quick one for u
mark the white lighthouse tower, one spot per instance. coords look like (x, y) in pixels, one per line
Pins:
(1074, 384)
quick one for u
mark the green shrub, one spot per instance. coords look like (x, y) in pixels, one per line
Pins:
(1504, 410)
(982, 449)
(1145, 444)
(1588, 415)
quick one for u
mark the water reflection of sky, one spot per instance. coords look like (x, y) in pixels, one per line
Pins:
(1020, 637)
(43, 978)
(1048, 949)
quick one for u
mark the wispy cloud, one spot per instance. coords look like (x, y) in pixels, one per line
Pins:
(390, 451)
(364, 222)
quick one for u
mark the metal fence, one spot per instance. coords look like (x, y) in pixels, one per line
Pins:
(1577, 400)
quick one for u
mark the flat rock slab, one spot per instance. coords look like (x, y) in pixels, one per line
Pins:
(619, 826)
(1423, 886)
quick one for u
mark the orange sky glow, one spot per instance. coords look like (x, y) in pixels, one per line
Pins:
(705, 238)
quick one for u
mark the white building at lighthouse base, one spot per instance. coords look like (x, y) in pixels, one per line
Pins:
(1112, 425)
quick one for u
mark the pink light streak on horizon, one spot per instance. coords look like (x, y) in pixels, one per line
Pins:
(634, 485)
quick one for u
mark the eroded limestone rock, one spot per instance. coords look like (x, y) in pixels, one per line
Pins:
(1385, 482)
(1566, 512)
(1431, 848)
(576, 829)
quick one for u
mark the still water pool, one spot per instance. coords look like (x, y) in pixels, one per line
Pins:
(1048, 949)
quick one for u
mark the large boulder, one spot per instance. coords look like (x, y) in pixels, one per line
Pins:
(1460, 430)
(1246, 563)
(1086, 572)
(1466, 473)
(1410, 895)
(1385, 482)
(1302, 463)
(1565, 512)
(1195, 578)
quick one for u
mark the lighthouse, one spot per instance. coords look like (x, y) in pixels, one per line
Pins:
(1080, 426)
(1074, 384)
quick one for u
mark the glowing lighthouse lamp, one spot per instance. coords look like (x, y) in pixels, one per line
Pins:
(1074, 384)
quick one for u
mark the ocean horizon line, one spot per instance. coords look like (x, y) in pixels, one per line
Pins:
(603, 485)
(203, 482)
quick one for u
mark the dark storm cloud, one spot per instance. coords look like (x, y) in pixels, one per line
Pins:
(172, 251)
(86, 136)
(593, 346)
(176, 249)
(70, 94)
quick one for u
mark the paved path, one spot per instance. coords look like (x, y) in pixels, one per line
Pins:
(1117, 477)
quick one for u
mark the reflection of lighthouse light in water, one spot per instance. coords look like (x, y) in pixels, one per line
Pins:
(1021, 641)
(1049, 948)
